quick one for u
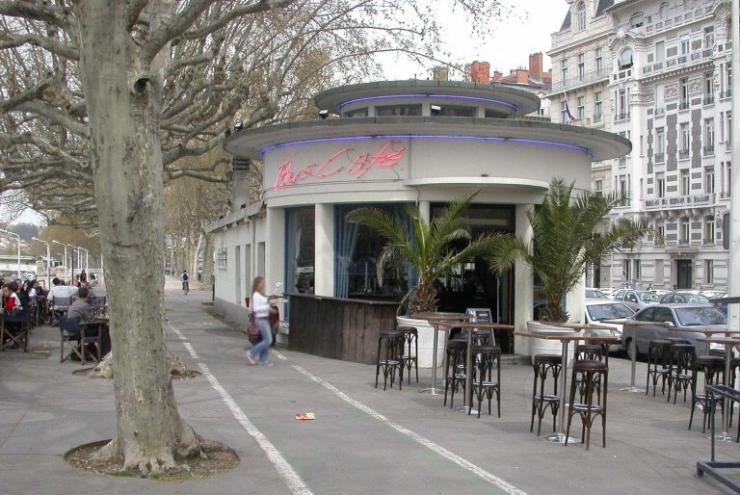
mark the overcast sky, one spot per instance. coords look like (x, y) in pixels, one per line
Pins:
(508, 45)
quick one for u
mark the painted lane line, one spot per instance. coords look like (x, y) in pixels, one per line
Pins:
(280, 355)
(190, 349)
(177, 331)
(450, 456)
(295, 483)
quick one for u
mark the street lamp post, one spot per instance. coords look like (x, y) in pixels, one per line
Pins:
(66, 266)
(48, 260)
(18, 243)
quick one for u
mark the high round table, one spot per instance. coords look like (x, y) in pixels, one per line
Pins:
(565, 340)
(436, 320)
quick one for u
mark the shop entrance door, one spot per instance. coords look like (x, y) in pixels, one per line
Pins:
(684, 274)
(472, 284)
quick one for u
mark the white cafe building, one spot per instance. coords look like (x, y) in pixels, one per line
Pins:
(390, 144)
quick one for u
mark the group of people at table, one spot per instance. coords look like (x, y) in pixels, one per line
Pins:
(26, 304)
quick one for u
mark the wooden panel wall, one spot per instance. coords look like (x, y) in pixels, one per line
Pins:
(344, 329)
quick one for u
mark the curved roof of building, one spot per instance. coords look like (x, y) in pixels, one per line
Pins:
(600, 145)
(510, 101)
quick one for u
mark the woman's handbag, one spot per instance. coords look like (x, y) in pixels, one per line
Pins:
(253, 331)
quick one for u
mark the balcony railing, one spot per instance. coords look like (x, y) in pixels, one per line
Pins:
(659, 111)
(587, 78)
(659, 157)
(702, 199)
(708, 99)
(726, 94)
(683, 154)
(680, 202)
(621, 117)
(725, 195)
(684, 105)
(709, 150)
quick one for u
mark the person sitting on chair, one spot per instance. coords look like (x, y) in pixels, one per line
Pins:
(81, 308)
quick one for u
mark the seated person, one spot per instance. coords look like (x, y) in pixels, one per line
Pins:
(12, 306)
(81, 309)
(59, 290)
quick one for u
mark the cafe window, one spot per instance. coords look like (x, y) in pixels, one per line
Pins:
(357, 249)
(455, 111)
(398, 110)
(300, 245)
(356, 113)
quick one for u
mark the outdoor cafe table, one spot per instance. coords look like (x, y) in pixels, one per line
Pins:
(469, 354)
(437, 320)
(565, 340)
(728, 343)
(708, 332)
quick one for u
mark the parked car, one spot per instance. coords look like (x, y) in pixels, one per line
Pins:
(684, 297)
(636, 299)
(659, 292)
(597, 311)
(595, 294)
(669, 316)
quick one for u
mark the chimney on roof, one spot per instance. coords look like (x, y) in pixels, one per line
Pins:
(480, 72)
(535, 66)
(440, 73)
(497, 75)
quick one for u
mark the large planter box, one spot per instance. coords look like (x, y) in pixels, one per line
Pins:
(426, 340)
(543, 346)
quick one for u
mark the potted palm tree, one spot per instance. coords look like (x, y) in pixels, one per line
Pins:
(432, 248)
(564, 244)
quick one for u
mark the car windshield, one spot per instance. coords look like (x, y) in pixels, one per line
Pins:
(595, 294)
(700, 316)
(648, 297)
(695, 299)
(608, 311)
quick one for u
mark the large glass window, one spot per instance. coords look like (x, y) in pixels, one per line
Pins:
(356, 113)
(398, 110)
(357, 249)
(299, 250)
(456, 111)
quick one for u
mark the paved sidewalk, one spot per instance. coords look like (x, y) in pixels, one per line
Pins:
(364, 441)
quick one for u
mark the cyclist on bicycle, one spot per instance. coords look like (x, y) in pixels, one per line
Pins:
(184, 278)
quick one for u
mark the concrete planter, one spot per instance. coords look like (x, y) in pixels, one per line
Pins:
(426, 340)
(542, 346)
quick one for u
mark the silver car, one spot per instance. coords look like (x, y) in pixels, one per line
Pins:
(669, 316)
(598, 311)
(636, 299)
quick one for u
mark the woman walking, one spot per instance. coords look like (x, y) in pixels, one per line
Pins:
(260, 306)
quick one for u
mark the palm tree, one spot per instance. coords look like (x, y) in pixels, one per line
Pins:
(430, 247)
(564, 243)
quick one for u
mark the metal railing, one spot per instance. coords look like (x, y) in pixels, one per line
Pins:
(684, 105)
(709, 150)
(708, 99)
(726, 94)
(579, 80)
(680, 202)
(683, 154)
(659, 157)
(621, 117)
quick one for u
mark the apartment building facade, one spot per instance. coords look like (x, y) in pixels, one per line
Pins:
(658, 73)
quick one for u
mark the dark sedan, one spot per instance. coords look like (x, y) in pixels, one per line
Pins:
(669, 316)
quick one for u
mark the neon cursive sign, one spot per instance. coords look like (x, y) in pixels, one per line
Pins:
(346, 162)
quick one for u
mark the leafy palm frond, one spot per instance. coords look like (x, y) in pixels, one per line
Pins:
(564, 244)
(428, 246)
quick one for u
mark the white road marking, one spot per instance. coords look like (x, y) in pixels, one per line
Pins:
(190, 349)
(280, 355)
(450, 456)
(295, 483)
(293, 479)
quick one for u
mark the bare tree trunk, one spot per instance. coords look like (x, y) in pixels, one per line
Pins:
(123, 101)
(196, 255)
(207, 260)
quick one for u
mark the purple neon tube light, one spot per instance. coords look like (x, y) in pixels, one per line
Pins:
(449, 137)
(476, 99)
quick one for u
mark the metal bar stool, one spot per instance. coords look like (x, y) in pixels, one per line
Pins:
(487, 358)
(658, 359)
(390, 361)
(543, 365)
(411, 340)
(587, 410)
